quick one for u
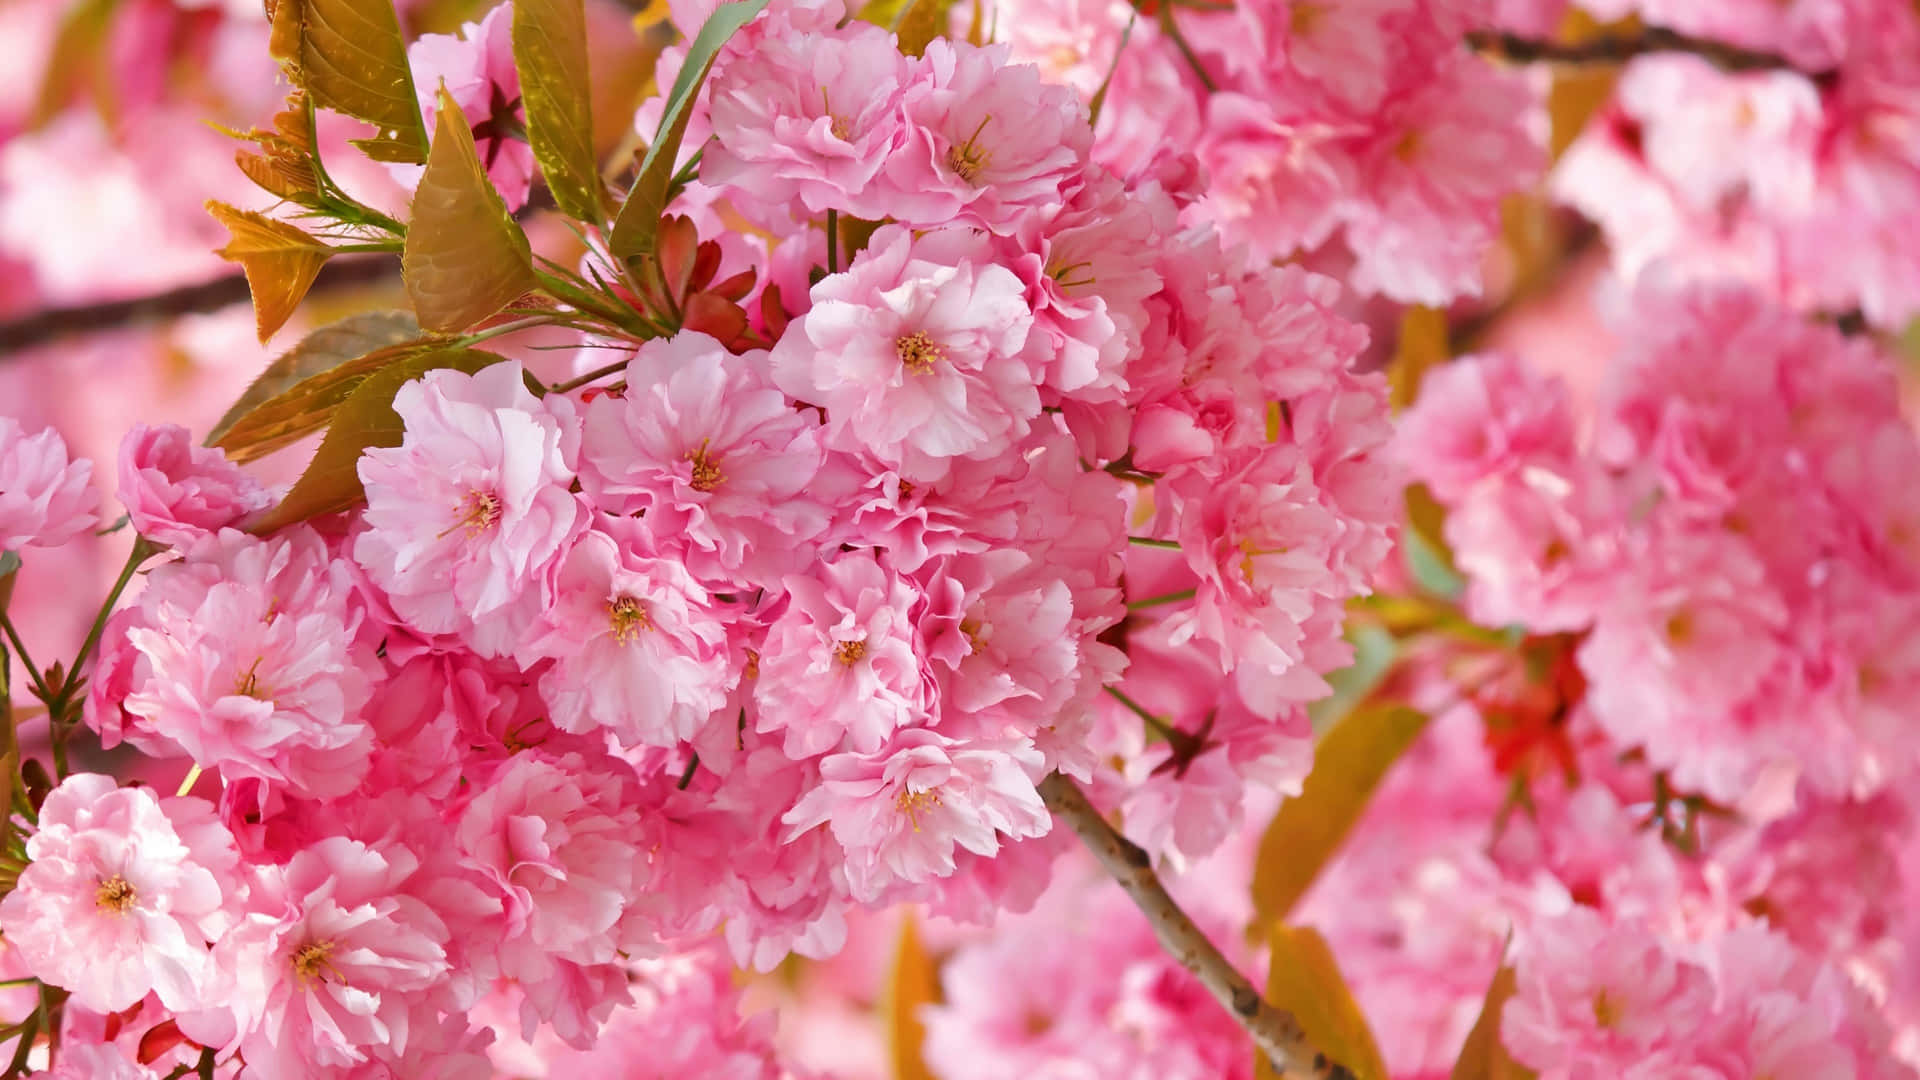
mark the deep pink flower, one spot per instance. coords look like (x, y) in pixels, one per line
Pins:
(476, 67)
(330, 958)
(988, 140)
(636, 645)
(122, 894)
(246, 656)
(717, 460)
(917, 352)
(468, 518)
(900, 812)
(805, 122)
(176, 492)
(839, 667)
(45, 500)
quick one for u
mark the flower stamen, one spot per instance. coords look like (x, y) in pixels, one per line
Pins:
(629, 617)
(115, 894)
(917, 352)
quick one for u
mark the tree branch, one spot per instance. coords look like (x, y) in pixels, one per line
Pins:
(1617, 48)
(51, 324)
(1277, 1033)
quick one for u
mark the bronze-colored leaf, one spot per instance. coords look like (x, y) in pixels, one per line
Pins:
(914, 982)
(280, 261)
(350, 57)
(1422, 346)
(298, 390)
(1348, 764)
(77, 63)
(920, 23)
(1303, 979)
(633, 228)
(550, 51)
(331, 482)
(465, 257)
(1485, 1057)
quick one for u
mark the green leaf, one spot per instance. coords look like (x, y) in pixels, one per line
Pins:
(1485, 1057)
(298, 392)
(350, 57)
(9, 562)
(280, 261)
(1374, 651)
(1348, 763)
(914, 22)
(639, 218)
(550, 51)
(1303, 979)
(465, 257)
(331, 482)
(914, 982)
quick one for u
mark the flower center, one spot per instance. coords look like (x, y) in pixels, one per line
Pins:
(836, 123)
(115, 894)
(976, 635)
(967, 159)
(247, 683)
(917, 352)
(850, 652)
(1680, 629)
(313, 961)
(478, 512)
(1249, 552)
(1304, 17)
(915, 803)
(629, 617)
(706, 468)
(1605, 1012)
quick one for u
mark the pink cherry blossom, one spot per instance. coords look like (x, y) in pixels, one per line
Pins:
(122, 894)
(476, 68)
(637, 647)
(177, 493)
(808, 121)
(468, 518)
(840, 665)
(716, 459)
(899, 813)
(45, 500)
(916, 352)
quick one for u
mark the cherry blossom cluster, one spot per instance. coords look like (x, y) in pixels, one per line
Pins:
(1295, 123)
(1801, 179)
(789, 619)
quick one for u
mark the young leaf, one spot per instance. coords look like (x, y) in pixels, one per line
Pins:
(465, 257)
(550, 51)
(331, 482)
(279, 259)
(1484, 1057)
(320, 351)
(1303, 979)
(639, 217)
(920, 23)
(914, 983)
(350, 57)
(1348, 763)
(77, 62)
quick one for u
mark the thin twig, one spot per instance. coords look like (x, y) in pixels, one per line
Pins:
(1619, 48)
(51, 324)
(1276, 1032)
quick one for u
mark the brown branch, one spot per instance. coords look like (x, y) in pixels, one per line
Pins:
(1619, 48)
(51, 324)
(1276, 1032)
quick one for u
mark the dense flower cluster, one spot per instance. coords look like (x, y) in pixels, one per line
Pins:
(753, 636)
(1293, 123)
(1801, 179)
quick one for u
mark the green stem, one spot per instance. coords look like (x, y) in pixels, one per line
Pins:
(20, 650)
(1147, 541)
(505, 328)
(1141, 711)
(580, 381)
(1186, 50)
(833, 241)
(1163, 598)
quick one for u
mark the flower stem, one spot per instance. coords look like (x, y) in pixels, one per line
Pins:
(1147, 541)
(1163, 598)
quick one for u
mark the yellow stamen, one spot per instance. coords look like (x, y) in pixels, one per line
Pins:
(629, 617)
(314, 961)
(917, 352)
(850, 652)
(247, 683)
(479, 512)
(968, 159)
(706, 468)
(115, 894)
(915, 803)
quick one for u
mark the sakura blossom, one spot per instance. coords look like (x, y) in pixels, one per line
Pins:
(1053, 538)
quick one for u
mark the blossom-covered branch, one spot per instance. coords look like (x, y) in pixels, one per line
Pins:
(1619, 48)
(1277, 1033)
